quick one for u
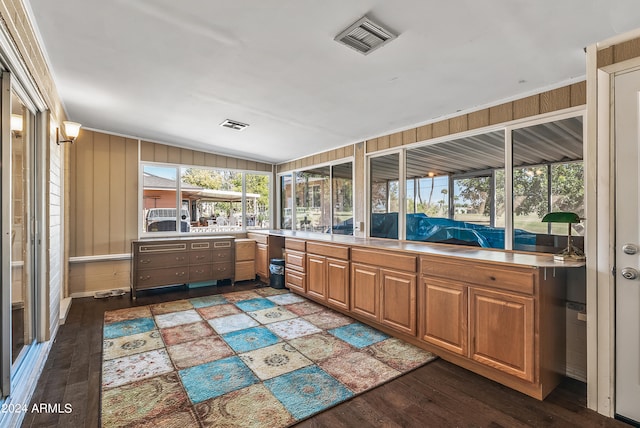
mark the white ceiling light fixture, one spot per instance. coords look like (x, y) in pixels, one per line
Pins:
(234, 124)
(365, 36)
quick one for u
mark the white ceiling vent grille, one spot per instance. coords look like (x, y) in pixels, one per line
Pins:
(234, 124)
(365, 36)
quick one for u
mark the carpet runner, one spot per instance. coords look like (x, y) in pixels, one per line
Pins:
(258, 358)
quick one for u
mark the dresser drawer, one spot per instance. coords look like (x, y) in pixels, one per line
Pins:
(219, 255)
(514, 279)
(154, 277)
(294, 259)
(334, 251)
(162, 260)
(198, 257)
(385, 259)
(221, 270)
(295, 244)
(200, 272)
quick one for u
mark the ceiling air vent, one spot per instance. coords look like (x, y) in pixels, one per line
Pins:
(364, 36)
(234, 124)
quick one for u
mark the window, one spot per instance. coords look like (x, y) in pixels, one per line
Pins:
(321, 201)
(453, 189)
(456, 191)
(384, 176)
(210, 200)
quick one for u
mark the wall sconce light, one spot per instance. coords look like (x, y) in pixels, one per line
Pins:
(571, 252)
(71, 130)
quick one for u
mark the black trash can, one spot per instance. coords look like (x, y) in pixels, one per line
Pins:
(276, 273)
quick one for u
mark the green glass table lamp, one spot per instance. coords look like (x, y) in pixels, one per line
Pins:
(571, 252)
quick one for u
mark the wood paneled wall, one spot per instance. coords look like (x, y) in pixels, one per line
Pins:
(618, 53)
(546, 102)
(324, 157)
(104, 194)
(154, 152)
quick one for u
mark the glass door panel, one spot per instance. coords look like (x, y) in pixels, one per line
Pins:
(22, 325)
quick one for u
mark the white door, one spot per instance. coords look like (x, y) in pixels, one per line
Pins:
(627, 164)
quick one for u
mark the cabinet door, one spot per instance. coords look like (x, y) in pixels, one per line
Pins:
(398, 300)
(338, 283)
(502, 331)
(262, 262)
(316, 276)
(365, 290)
(443, 314)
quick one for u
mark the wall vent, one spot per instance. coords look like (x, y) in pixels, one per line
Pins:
(365, 36)
(234, 124)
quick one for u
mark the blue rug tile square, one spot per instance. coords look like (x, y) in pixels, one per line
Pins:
(128, 327)
(251, 338)
(358, 335)
(307, 391)
(203, 302)
(216, 378)
(255, 304)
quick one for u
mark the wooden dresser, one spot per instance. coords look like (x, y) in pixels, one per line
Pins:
(163, 262)
(245, 259)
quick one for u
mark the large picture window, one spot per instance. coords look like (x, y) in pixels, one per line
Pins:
(203, 200)
(455, 191)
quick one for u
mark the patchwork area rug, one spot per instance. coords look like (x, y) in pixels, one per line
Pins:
(259, 358)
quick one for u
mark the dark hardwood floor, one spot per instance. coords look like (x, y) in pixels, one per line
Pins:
(436, 395)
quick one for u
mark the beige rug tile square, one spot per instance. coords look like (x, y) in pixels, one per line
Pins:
(274, 360)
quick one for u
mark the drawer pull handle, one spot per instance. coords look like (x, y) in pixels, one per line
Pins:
(145, 261)
(144, 278)
(492, 278)
(200, 271)
(200, 257)
(221, 269)
(179, 273)
(179, 258)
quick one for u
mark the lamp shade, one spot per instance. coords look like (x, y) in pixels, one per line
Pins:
(561, 217)
(71, 129)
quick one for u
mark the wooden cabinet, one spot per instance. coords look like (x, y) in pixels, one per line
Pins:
(245, 259)
(295, 276)
(383, 288)
(328, 274)
(162, 262)
(444, 310)
(489, 318)
(502, 327)
(267, 247)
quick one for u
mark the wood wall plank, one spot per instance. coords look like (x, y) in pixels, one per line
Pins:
(478, 119)
(501, 113)
(626, 50)
(458, 124)
(198, 158)
(383, 142)
(395, 140)
(441, 128)
(424, 132)
(186, 157)
(410, 136)
(372, 145)
(578, 94)
(101, 193)
(174, 154)
(526, 107)
(160, 153)
(556, 99)
(147, 151)
(131, 193)
(605, 57)
(82, 218)
(117, 203)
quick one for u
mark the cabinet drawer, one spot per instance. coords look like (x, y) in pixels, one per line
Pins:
(334, 251)
(295, 280)
(384, 259)
(245, 270)
(220, 255)
(161, 260)
(221, 270)
(295, 260)
(160, 248)
(200, 272)
(165, 276)
(519, 280)
(198, 257)
(245, 249)
(295, 244)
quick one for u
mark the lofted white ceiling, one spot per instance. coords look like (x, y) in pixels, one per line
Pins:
(172, 71)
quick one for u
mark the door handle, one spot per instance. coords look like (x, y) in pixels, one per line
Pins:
(629, 273)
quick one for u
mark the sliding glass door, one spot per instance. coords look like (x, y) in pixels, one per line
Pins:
(18, 237)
